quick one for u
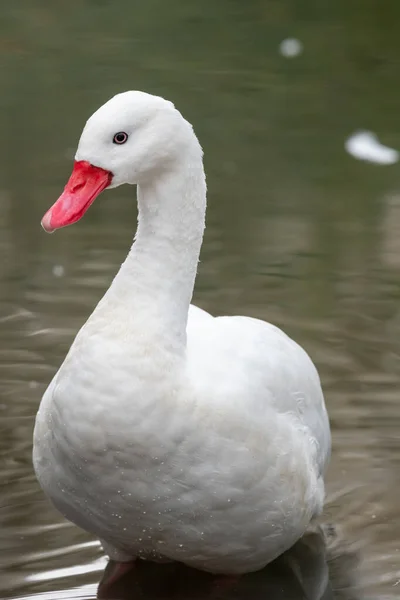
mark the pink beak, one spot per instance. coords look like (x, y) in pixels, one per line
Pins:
(83, 187)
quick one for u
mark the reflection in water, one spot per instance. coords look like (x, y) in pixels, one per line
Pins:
(309, 571)
(300, 573)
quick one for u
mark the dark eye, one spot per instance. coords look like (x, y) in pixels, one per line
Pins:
(120, 137)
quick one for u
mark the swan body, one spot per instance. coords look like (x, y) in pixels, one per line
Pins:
(168, 433)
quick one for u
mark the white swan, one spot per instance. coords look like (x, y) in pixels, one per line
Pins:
(167, 433)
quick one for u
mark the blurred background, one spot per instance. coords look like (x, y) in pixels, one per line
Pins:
(303, 227)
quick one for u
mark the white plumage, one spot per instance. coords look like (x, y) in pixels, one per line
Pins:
(168, 433)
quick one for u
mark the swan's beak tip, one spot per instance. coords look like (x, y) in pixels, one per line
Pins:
(47, 227)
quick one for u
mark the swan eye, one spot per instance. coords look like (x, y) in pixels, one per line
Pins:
(120, 137)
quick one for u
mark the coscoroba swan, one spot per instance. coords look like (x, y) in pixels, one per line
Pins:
(167, 433)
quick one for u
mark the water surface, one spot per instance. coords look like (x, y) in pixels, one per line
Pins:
(299, 232)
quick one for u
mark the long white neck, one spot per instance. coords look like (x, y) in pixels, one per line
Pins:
(157, 278)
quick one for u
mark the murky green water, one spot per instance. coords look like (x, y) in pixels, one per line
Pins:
(299, 232)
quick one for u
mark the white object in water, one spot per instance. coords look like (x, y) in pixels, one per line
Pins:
(365, 145)
(58, 270)
(168, 433)
(290, 47)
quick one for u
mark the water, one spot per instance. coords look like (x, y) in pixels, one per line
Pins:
(300, 232)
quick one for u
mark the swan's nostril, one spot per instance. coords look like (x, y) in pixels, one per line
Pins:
(77, 187)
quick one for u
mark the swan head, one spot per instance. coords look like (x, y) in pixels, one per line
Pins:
(130, 139)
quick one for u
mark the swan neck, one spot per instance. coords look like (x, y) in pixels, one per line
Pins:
(157, 278)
